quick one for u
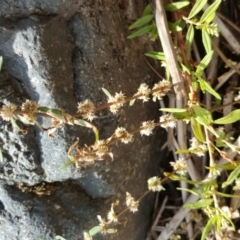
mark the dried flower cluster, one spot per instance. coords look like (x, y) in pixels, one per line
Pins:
(89, 154)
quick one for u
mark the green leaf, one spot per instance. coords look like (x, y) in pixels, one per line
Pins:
(206, 86)
(197, 130)
(174, 110)
(190, 36)
(227, 195)
(210, 10)
(198, 6)
(43, 109)
(66, 164)
(1, 62)
(228, 166)
(203, 116)
(199, 204)
(107, 93)
(93, 231)
(206, 39)
(208, 227)
(15, 126)
(132, 102)
(156, 55)
(203, 64)
(230, 118)
(188, 190)
(141, 31)
(170, 7)
(176, 26)
(233, 175)
(142, 21)
(147, 10)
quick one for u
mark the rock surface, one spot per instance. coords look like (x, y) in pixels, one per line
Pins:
(59, 53)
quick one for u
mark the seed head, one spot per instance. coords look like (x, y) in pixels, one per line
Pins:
(144, 91)
(147, 128)
(7, 111)
(131, 203)
(154, 184)
(86, 109)
(160, 89)
(168, 120)
(123, 135)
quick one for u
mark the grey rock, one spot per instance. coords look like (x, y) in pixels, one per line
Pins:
(59, 53)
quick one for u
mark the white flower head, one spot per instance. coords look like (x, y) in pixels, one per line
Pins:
(144, 91)
(161, 89)
(112, 216)
(131, 203)
(147, 128)
(168, 120)
(180, 166)
(154, 184)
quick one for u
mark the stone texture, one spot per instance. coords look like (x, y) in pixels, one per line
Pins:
(59, 53)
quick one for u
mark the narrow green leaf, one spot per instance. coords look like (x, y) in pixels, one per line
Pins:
(43, 109)
(208, 227)
(1, 62)
(233, 175)
(174, 110)
(188, 190)
(156, 55)
(66, 164)
(132, 102)
(208, 88)
(107, 93)
(203, 116)
(227, 195)
(198, 6)
(82, 123)
(190, 36)
(228, 166)
(211, 9)
(197, 130)
(204, 63)
(93, 231)
(230, 118)
(170, 7)
(199, 204)
(206, 39)
(147, 10)
(184, 68)
(141, 31)
(142, 21)
(15, 126)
